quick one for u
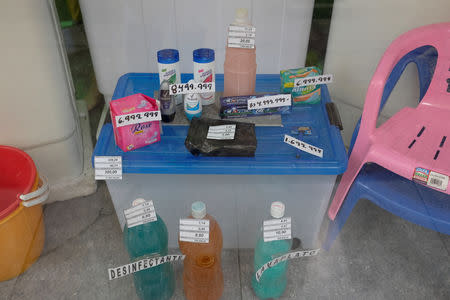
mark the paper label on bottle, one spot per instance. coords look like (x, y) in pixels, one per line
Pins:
(142, 264)
(194, 230)
(303, 146)
(290, 255)
(241, 36)
(221, 132)
(192, 88)
(277, 229)
(313, 80)
(108, 167)
(269, 101)
(140, 214)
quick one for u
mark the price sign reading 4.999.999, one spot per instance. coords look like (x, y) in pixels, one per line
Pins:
(269, 101)
(140, 117)
(192, 88)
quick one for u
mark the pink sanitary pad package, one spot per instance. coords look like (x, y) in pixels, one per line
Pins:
(136, 121)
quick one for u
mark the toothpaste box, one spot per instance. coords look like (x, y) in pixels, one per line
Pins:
(129, 117)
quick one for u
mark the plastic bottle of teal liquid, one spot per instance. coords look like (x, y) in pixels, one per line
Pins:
(273, 281)
(147, 241)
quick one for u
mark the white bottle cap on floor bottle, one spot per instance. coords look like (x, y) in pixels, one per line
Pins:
(277, 209)
(241, 16)
(198, 210)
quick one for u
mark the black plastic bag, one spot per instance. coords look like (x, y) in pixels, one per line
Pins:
(243, 143)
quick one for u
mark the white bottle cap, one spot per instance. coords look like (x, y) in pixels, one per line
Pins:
(138, 201)
(277, 209)
(241, 16)
(198, 210)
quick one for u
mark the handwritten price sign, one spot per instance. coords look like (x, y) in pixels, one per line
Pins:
(269, 101)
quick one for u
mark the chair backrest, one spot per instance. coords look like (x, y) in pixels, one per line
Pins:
(417, 45)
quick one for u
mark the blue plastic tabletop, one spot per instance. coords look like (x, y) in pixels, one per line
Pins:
(273, 156)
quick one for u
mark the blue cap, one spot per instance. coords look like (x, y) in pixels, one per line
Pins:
(203, 55)
(168, 56)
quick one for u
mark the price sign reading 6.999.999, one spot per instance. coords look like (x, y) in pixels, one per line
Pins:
(140, 117)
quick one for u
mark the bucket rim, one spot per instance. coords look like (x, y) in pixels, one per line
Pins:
(29, 184)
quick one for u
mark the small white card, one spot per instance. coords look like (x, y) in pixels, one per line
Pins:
(194, 230)
(221, 132)
(269, 101)
(303, 146)
(140, 214)
(277, 229)
(241, 36)
(192, 88)
(108, 167)
(140, 117)
(313, 80)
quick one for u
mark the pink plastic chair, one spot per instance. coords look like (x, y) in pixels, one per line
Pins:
(413, 137)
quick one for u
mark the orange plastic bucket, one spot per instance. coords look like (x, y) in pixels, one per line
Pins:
(22, 192)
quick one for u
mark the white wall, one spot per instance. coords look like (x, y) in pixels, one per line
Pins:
(124, 35)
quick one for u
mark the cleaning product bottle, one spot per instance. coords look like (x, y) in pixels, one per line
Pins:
(240, 64)
(167, 102)
(147, 241)
(192, 104)
(274, 280)
(168, 68)
(202, 275)
(204, 71)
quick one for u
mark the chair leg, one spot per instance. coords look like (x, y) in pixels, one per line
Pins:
(336, 225)
(354, 165)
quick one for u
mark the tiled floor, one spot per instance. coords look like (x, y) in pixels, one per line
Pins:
(376, 256)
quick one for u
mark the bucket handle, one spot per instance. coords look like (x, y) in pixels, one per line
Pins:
(39, 196)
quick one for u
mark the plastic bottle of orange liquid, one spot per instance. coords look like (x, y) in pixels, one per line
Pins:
(240, 64)
(202, 275)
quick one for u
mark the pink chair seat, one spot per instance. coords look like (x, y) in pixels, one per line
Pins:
(414, 137)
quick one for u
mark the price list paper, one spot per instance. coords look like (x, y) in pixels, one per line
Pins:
(108, 167)
(277, 229)
(194, 230)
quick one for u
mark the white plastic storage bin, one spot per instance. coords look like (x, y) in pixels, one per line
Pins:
(124, 36)
(360, 32)
(238, 191)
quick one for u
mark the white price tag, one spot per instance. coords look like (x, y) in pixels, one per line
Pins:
(108, 167)
(140, 117)
(269, 101)
(194, 230)
(313, 80)
(140, 214)
(142, 264)
(438, 181)
(303, 146)
(241, 36)
(276, 261)
(277, 229)
(192, 88)
(221, 132)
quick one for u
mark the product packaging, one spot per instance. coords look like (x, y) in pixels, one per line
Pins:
(168, 68)
(300, 95)
(130, 110)
(204, 71)
(212, 137)
(237, 107)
